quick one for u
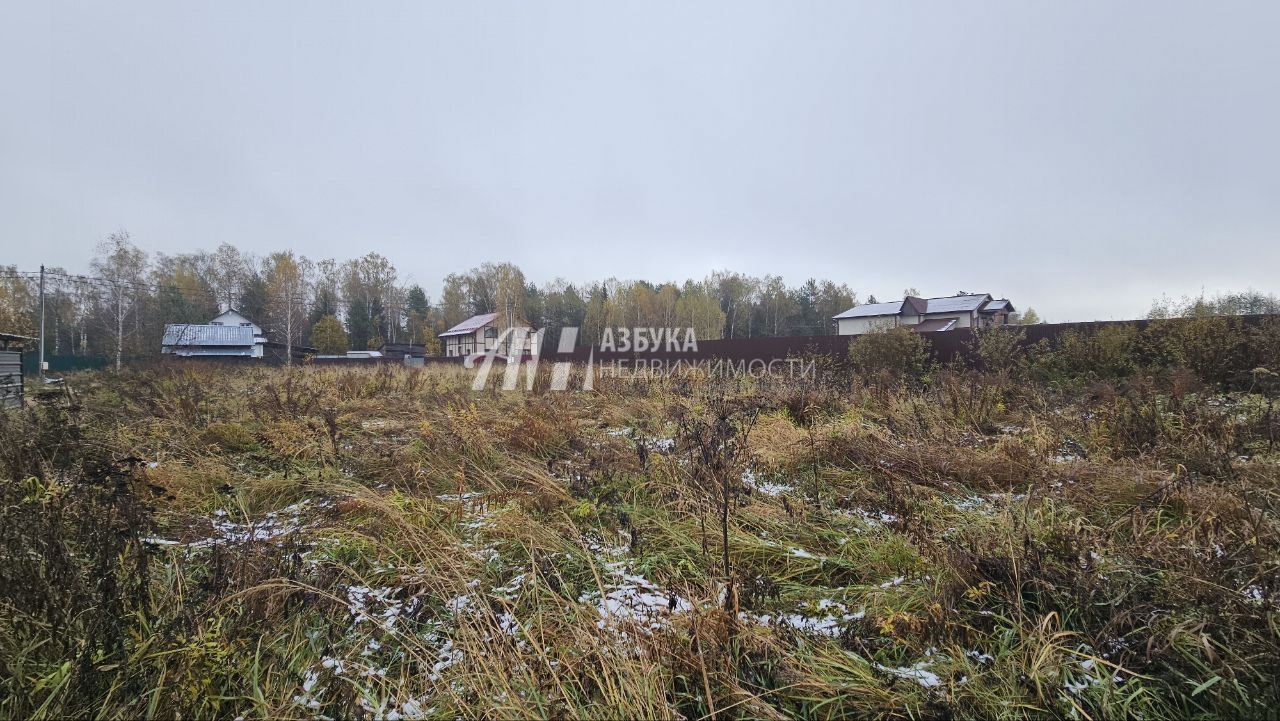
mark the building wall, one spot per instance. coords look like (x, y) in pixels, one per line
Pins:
(1001, 318)
(231, 317)
(858, 326)
(479, 342)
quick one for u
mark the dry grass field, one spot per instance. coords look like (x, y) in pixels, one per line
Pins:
(386, 543)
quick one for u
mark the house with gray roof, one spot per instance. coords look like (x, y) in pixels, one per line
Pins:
(485, 333)
(925, 315)
(189, 340)
(230, 334)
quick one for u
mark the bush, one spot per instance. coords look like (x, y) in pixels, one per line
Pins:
(897, 353)
(1216, 348)
(1110, 352)
(998, 348)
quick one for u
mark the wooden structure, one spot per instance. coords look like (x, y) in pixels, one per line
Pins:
(11, 369)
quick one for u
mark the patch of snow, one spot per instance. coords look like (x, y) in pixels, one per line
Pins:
(459, 497)
(377, 606)
(970, 503)
(1076, 686)
(829, 621)
(1253, 593)
(751, 480)
(979, 656)
(511, 589)
(275, 524)
(918, 673)
(310, 696)
(638, 600)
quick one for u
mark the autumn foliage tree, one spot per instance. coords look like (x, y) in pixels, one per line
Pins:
(328, 336)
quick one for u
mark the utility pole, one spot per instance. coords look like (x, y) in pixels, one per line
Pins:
(119, 325)
(288, 329)
(41, 321)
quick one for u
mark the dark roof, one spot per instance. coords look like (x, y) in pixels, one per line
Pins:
(192, 334)
(872, 310)
(933, 324)
(470, 325)
(958, 303)
(997, 305)
(7, 337)
(919, 306)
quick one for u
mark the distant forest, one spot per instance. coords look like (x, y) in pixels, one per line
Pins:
(120, 308)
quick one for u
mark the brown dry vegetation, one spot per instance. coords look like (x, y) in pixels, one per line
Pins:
(387, 543)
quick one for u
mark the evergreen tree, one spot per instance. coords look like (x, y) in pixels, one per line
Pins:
(328, 337)
(253, 299)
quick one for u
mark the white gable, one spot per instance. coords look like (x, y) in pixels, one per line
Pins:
(233, 317)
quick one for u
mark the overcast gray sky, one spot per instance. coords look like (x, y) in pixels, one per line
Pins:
(1078, 157)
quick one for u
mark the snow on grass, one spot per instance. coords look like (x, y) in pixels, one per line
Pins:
(311, 691)
(980, 656)
(459, 497)
(629, 599)
(919, 673)
(971, 503)
(378, 606)
(638, 600)
(752, 480)
(826, 618)
(1090, 679)
(873, 518)
(661, 444)
(273, 525)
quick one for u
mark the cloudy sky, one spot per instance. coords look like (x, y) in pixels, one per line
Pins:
(1078, 157)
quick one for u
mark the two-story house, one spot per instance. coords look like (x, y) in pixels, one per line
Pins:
(963, 310)
(484, 333)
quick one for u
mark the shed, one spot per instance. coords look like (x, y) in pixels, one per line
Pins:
(397, 352)
(11, 369)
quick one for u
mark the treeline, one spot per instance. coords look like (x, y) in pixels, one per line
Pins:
(119, 309)
(1249, 302)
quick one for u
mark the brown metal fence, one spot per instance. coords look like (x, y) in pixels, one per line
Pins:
(946, 346)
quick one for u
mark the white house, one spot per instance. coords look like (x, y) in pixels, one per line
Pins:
(231, 316)
(228, 334)
(924, 315)
(484, 333)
